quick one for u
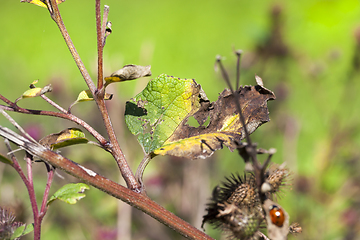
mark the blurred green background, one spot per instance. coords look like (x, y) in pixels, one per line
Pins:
(307, 52)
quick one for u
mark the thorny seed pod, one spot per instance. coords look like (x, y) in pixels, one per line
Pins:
(7, 224)
(235, 208)
(277, 177)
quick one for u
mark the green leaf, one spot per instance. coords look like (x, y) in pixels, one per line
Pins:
(29, 228)
(22, 230)
(86, 95)
(157, 111)
(70, 193)
(159, 116)
(5, 160)
(67, 137)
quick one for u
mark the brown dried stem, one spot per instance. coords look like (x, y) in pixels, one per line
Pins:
(250, 147)
(113, 146)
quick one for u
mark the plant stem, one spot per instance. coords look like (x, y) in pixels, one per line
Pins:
(55, 15)
(31, 190)
(250, 148)
(51, 172)
(140, 170)
(52, 103)
(140, 201)
(100, 45)
(30, 187)
(117, 152)
(113, 147)
(104, 23)
(67, 116)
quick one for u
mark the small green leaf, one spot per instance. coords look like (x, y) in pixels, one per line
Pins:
(29, 228)
(5, 160)
(67, 137)
(86, 95)
(70, 193)
(22, 230)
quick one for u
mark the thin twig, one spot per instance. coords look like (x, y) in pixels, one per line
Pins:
(13, 122)
(250, 147)
(238, 53)
(52, 103)
(104, 22)
(106, 26)
(140, 170)
(15, 164)
(100, 46)
(67, 116)
(50, 173)
(55, 15)
(32, 195)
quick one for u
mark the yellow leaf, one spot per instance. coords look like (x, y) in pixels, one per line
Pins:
(41, 3)
(67, 137)
(86, 95)
(35, 92)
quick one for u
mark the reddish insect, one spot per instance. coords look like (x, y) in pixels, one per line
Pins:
(277, 215)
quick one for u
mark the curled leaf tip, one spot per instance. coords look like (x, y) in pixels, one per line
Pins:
(129, 72)
(259, 81)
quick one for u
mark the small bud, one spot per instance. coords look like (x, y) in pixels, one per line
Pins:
(265, 187)
(295, 228)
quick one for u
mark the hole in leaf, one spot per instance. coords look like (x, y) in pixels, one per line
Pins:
(206, 123)
(192, 122)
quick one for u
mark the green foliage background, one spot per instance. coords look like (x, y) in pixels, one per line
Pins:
(315, 120)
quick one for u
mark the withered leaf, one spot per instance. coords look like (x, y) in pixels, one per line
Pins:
(225, 127)
(128, 72)
(161, 122)
(67, 137)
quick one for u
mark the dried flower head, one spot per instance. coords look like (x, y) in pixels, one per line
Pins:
(7, 224)
(277, 177)
(235, 208)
